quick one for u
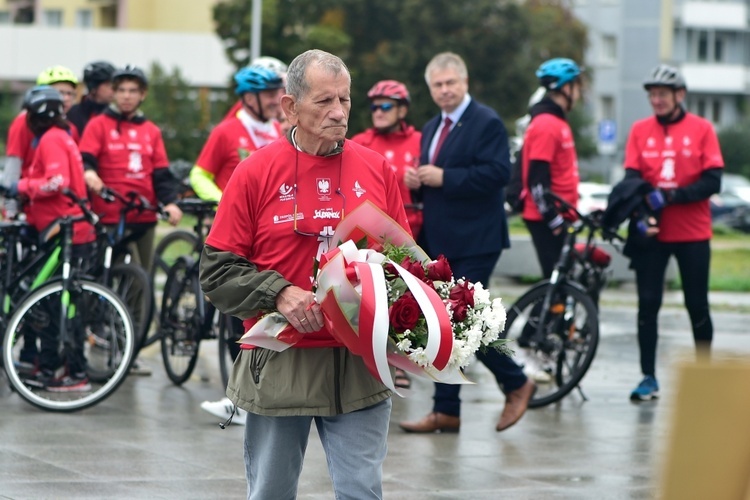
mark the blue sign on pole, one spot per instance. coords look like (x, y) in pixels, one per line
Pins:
(607, 131)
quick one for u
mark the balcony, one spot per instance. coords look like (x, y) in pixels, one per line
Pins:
(716, 15)
(717, 78)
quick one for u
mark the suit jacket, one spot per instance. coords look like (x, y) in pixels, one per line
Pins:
(465, 217)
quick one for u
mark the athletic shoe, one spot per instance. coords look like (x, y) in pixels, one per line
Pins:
(69, 384)
(647, 390)
(223, 409)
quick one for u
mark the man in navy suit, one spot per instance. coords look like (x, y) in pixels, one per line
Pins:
(464, 168)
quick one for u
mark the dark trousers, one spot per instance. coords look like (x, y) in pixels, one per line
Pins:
(547, 245)
(693, 260)
(508, 374)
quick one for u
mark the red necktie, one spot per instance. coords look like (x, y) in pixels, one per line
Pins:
(443, 134)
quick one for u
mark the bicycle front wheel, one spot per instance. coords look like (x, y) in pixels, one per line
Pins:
(131, 283)
(180, 320)
(559, 357)
(50, 345)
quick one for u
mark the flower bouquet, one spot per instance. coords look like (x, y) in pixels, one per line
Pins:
(386, 301)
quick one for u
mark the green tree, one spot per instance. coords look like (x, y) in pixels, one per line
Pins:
(183, 113)
(502, 42)
(8, 111)
(735, 148)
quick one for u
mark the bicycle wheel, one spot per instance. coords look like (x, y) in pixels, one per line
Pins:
(174, 245)
(230, 331)
(131, 283)
(91, 309)
(558, 360)
(181, 321)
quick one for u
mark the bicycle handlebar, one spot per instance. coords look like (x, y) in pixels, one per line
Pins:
(131, 201)
(592, 220)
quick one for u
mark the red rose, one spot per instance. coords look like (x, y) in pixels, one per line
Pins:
(462, 294)
(404, 313)
(414, 267)
(439, 270)
(390, 270)
(459, 310)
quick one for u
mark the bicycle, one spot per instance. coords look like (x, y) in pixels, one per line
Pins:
(56, 318)
(186, 318)
(556, 322)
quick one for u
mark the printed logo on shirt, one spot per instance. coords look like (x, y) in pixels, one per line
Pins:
(135, 164)
(668, 140)
(324, 186)
(650, 142)
(389, 155)
(358, 190)
(114, 134)
(132, 133)
(327, 213)
(244, 143)
(285, 192)
(686, 141)
(667, 169)
(282, 219)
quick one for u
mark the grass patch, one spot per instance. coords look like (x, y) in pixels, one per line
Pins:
(730, 270)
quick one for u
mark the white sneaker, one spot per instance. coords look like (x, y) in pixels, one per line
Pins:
(223, 410)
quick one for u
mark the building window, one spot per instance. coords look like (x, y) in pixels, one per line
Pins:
(52, 17)
(84, 18)
(702, 46)
(719, 48)
(700, 107)
(716, 111)
(4, 17)
(607, 107)
(609, 49)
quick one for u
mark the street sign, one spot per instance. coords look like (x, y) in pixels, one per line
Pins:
(607, 143)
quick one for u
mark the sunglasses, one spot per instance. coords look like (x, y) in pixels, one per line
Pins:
(385, 107)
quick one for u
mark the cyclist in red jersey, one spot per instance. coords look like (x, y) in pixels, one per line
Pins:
(56, 166)
(97, 76)
(548, 159)
(677, 153)
(235, 138)
(399, 142)
(393, 138)
(19, 148)
(274, 65)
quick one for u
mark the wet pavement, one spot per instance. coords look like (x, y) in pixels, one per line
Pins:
(151, 440)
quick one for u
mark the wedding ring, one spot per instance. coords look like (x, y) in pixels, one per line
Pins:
(303, 320)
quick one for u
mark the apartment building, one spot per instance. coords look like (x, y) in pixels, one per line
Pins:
(708, 40)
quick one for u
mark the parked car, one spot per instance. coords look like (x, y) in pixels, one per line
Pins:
(736, 185)
(592, 196)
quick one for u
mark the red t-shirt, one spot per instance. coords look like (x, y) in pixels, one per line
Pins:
(671, 157)
(127, 154)
(227, 145)
(56, 165)
(550, 139)
(401, 149)
(20, 141)
(255, 217)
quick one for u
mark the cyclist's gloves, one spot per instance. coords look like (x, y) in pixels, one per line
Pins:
(657, 199)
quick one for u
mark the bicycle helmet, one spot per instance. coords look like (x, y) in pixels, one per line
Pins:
(665, 76)
(130, 73)
(97, 72)
(555, 73)
(271, 63)
(56, 74)
(43, 100)
(391, 89)
(256, 78)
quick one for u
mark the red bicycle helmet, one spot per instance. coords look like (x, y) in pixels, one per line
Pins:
(391, 89)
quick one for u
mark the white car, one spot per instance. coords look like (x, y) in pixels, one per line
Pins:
(737, 185)
(592, 196)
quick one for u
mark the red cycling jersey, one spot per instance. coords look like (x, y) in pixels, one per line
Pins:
(127, 153)
(550, 139)
(56, 165)
(674, 156)
(255, 219)
(227, 145)
(401, 149)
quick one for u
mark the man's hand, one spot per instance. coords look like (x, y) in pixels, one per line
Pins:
(430, 175)
(93, 181)
(300, 309)
(175, 214)
(411, 179)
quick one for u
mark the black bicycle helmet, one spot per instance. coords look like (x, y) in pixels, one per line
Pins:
(130, 73)
(665, 76)
(97, 72)
(43, 100)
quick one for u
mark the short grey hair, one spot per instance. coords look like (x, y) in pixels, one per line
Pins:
(446, 60)
(296, 82)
